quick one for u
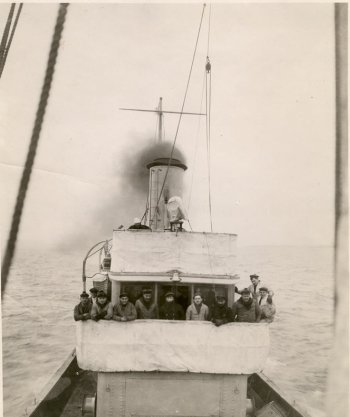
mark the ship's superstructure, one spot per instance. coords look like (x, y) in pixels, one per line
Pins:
(171, 368)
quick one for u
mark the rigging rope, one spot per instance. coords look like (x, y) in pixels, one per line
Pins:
(196, 142)
(39, 118)
(6, 33)
(7, 48)
(180, 117)
(208, 111)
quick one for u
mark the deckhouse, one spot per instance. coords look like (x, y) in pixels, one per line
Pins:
(171, 368)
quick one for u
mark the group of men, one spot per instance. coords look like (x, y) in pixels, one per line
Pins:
(254, 305)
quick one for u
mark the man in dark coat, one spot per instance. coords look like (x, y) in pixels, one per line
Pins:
(82, 310)
(103, 309)
(170, 310)
(220, 313)
(124, 310)
(145, 307)
(246, 309)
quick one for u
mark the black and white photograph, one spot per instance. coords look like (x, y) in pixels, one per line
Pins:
(174, 209)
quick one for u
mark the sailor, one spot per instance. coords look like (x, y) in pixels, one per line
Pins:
(103, 309)
(246, 309)
(124, 310)
(171, 310)
(93, 295)
(255, 286)
(82, 310)
(263, 295)
(268, 309)
(220, 313)
(197, 310)
(145, 308)
(137, 225)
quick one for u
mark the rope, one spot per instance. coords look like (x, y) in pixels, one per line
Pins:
(196, 143)
(208, 110)
(23, 187)
(208, 118)
(3, 60)
(180, 117)
(6, 33)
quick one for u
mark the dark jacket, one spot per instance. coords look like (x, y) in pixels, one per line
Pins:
(220, 314)
(104, 312)
(248, 313)
(171, 311)
(80, 310)
(146, 310)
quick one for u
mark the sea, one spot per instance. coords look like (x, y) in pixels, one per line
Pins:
(38, 331)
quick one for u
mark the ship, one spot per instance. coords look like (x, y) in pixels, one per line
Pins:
(165, 368)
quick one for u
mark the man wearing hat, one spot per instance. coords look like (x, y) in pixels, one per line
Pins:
(103, 309)
(82, 310)
(268, 309)
(93, 295)
(255, 286)
(220, 313)
(246, 309)
(124, 310)
(171, 310)
(197, 310)
(145, 308)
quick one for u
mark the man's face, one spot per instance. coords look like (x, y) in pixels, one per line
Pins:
(147, 296)
(255, 280)
(169, 298)
(124, 300)
(221, 301)
(197, 299)
(263, 293)
(93, 294)
(245, 297)
(84, 300)
(102, 300)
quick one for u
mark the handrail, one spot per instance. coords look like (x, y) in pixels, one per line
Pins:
(88, 256)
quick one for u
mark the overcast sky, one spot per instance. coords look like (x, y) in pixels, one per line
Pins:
(272, 122)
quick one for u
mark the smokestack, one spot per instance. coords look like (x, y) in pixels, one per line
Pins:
(159, 195)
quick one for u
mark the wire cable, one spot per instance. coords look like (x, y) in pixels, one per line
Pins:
(4, 57)
(196, 143)
(208, 111)
(6, 33)
(23, 187)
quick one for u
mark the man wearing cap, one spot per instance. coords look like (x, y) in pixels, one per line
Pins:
(145, 308)
(255, 286)
(124, 310)
(246, 309)
(93, 295)
(268, 309)
(171, 310)
(82, 310)
(103, 309)
(220, 313)
(197, 310)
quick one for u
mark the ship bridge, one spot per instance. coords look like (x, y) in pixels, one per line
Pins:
(169, 360)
